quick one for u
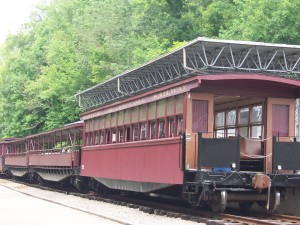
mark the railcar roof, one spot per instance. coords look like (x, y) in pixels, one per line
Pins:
(201, 56)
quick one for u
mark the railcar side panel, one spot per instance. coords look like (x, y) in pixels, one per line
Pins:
(56, 159)
(156, 161)
(16, 161)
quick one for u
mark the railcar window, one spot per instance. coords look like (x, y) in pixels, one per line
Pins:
(220, 119)
(113, 119)
(179, 126)
(152, 110)
(171, 127)
(107, 136)
(135, 115)
(152, 130)
(158, 119)
(91, 138)
(246, 121)
(127, 116)
(143, 134)
(220, 133)
(87, 139)
(179, 104)
(127, 134)
(107, 121)
(113, 135)
(121, 134)
(256, 131)
(243, 117)
(143, 112)
(120, 117)
(135, 132)
(96, 124)
(161, 129)
(244, 131)
(231, 118)
(101, 137)
(256, 114)
(96, 138)
(101, 122)
(161, 108)
(87, 126)
(170, 108)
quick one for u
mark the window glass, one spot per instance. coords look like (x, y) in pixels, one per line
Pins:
(114, 119)
(143, 112)
(96, 138)
(161, 108)
(143, 131)
(161, 129)
(243, 131)
(171, 106)
(91, 138)
(256, 131)
(107, 121)
(113, 136)
(101, 122)
(152, 110)
(120, 134)
(87, 139)
(220, 133)
(244, 116)
(120, 117)
(171, 127)
(127, 116)
(127, 133)
(179, 126)
(135, 132)
(101, 137)
(107, 136)
(96, 124)
(256, 114)
(152, 130)
(231, 118)
(231, 132)
(220, 119)
(179, 104)
(135, 114)
(87, 127)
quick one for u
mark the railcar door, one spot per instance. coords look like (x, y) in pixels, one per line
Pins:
(199, 118)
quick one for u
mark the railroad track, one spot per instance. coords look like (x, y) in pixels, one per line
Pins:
(175, 208)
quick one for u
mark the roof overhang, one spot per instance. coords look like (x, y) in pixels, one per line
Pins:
(201, 56)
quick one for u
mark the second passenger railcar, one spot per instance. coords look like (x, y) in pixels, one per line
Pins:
(203, 120)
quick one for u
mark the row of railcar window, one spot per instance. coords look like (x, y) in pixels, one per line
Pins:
(245, 120)
(158, 119)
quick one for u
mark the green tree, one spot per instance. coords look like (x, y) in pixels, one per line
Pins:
(267, 21)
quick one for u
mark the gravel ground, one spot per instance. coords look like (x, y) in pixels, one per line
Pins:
(110, 212)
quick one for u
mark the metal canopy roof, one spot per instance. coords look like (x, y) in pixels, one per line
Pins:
(200, 56)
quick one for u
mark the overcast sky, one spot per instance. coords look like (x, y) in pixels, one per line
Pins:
(13, 13)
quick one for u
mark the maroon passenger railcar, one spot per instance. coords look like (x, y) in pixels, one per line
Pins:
(214, 119)
(47, 156)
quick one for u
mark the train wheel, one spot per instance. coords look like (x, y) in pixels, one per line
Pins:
(245, 205)
(274, 201)
(219, 202)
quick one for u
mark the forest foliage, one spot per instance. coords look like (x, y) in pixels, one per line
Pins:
(70, 45)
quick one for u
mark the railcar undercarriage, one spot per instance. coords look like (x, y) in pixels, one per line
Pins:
(217, 188)
(222, 181)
